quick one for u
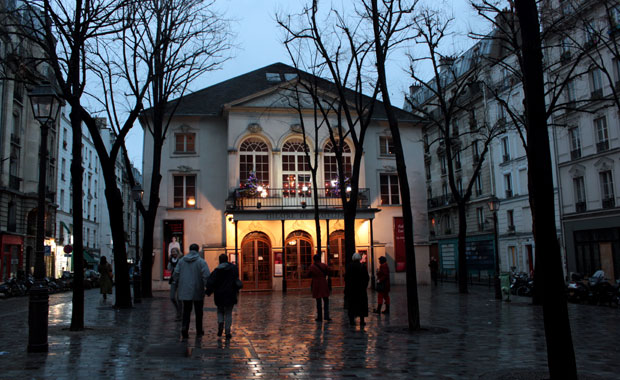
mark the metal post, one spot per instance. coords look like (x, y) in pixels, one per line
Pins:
(372, 258)
(137, 296)
(498, 289)
(236, 244)
(283, 261)
(38, 305)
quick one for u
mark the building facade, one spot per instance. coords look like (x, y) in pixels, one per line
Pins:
(243, 132)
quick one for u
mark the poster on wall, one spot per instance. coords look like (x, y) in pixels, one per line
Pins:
(277, 263)
(399, 244)
(173, 238)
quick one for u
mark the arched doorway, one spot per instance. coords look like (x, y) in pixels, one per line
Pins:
(298, 259)
(336, 257)
(256, 261)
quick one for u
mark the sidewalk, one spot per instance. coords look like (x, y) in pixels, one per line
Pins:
(275, 336)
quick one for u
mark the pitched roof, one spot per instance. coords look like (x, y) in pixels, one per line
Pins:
(211, 100)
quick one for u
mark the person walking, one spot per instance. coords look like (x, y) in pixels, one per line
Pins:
(434, 267)
(320, 288)
(356, 283)
(105, 278)
(175, 256)
(224, 283)
(383, 286)
(191, 274)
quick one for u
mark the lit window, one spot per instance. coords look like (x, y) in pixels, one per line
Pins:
(184, 191)
(254, 157)
(386, 146)
(330, 163)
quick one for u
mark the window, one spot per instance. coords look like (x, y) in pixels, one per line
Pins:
(61, 199)
(607, 189)
(390, 192)
(426, 144)
(478, 185)
(602, 136)
(455, 127)
(64, 138)
(459, 186)
(480, 218)
(386, 146)
(457, 160)
(575, 143)
(429, 192)
(596, 83)
(590, 34)
(476, 151)
(63, 163)
(427, 167)
(442, 159)
(565, 48)
(508, 185)
(614, 17)
(570, 91)
(296, 172)
(184, 191)
(254, 157)
(330, 163)
(505, 149)
(580, 194)
(185, 142)
(523, 181)
(510, 218)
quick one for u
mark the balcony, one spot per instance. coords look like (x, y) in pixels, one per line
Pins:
(509, 193)
(575, 154)
(602, 146)
(609, 202)
(14, 182)
(505, 157)
(580, 207)
(443, 200)
(279, 199)
(596, 94)
(511, 229)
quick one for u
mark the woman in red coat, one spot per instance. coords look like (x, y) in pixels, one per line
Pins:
(320, 289)
(383, 286)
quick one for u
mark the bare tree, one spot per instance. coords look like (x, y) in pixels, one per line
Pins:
(167, 46)
(441, 101)
(392, 22)
(344, 52)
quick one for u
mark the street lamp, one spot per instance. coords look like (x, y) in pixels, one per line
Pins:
(136, 194)
(494, 207)
(45, 107)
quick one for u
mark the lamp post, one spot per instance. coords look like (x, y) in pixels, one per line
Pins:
(136, 194)
(494, 207)
(45, 107)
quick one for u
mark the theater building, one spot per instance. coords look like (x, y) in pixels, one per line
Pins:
(244, 133)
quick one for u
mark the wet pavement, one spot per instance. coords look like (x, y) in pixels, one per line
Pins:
(275, 336)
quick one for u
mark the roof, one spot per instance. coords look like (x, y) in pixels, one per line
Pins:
(210, 101)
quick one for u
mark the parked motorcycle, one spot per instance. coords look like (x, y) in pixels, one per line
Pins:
(577, 289)
(521, 285)
(13, 288)
(601, 292)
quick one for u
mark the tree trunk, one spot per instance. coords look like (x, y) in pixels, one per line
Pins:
(115, 211)
(560, 352)
(462, 239)
(77, 311)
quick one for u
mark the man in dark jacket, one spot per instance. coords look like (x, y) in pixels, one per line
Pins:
(224, 283)
(356, 282)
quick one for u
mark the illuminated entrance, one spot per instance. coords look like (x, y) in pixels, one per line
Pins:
(256, 261)
(299, 252)
(336, 257)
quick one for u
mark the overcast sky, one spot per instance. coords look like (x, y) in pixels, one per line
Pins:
(259, 43)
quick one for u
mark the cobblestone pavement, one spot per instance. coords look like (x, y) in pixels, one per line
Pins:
(275, 336)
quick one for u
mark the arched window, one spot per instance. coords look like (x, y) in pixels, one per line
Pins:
(254, 157)
(296, 172)
(330, 163)
(298, 251)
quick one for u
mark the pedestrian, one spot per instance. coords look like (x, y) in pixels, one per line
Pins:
(356, 283)
(320, 288)
(105, 278)
(172, 263)
(191, 274)
(434, 267)
(224, 284)
(383, 286)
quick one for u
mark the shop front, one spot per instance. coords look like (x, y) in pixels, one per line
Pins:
(11, 256)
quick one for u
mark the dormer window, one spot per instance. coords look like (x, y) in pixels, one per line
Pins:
(273, 77)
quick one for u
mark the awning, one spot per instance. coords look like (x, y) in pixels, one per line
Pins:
(89, 259)
(63, 224)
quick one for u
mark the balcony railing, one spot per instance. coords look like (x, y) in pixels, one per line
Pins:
(609, 203)
(602, 146)
(14, 182)
(575, 154)
(271, 199)
(443, 200)
(580, 206)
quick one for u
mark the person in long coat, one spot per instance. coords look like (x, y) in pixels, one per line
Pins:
(105, 278)
(356, 282)
(191, 275)
(224, 283)
(383, 286)
(320, 288)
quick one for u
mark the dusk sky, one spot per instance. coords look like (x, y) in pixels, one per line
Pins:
(259, 43)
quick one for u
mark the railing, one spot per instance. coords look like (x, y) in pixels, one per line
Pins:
(575, 154)
(243, 199)
(596, 94)
(602, 146)
(580, 206)
(609, 202)
(443, 200)
(14, 182)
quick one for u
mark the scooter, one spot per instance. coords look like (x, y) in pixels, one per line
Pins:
(576, 290)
